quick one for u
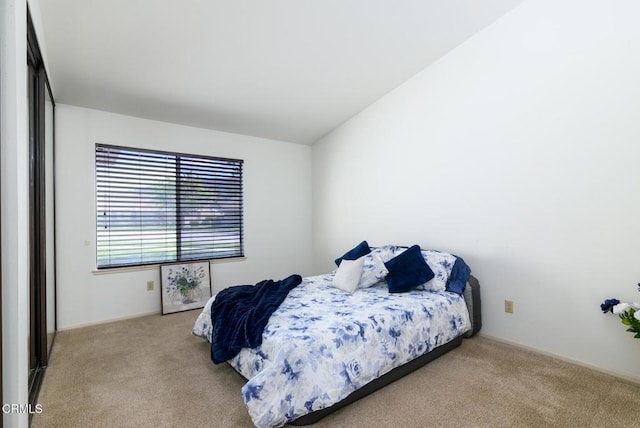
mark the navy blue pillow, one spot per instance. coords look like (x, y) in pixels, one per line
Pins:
(362, 249)
(407, 270)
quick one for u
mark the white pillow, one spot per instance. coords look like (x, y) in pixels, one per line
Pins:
(348, 275)
(373, 270)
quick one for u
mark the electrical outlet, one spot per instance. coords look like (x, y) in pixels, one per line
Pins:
(508, 306)
(150, 285)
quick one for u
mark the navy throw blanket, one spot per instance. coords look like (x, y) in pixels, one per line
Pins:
(239, 315)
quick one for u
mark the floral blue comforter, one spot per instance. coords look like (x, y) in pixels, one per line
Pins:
(322, 344)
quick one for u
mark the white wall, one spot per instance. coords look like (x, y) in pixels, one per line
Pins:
(15, 190)
(519, 152)
(277, 200)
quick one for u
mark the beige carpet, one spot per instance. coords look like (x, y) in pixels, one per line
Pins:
(151, 372)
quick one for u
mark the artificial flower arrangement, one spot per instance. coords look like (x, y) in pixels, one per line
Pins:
(629, 313)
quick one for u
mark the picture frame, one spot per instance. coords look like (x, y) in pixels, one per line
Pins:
(184, 286)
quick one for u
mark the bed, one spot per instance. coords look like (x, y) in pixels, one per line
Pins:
(324, 348)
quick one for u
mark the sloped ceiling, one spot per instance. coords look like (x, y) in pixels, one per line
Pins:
(290, 70)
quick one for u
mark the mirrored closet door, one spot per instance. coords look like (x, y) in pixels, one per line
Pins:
(42, 293)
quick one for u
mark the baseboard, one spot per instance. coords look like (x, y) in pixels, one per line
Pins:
(107, 321)
(619, 375)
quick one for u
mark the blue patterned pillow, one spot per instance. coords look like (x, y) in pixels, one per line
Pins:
(407, 271)
(373, 270)
(362, 249)
(386, 252)
(441, 264)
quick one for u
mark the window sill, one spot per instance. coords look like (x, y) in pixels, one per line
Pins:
(96, 271)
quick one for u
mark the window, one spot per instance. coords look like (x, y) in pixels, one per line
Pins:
(157, 207)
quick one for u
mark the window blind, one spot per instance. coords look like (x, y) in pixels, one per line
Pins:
(156, 207)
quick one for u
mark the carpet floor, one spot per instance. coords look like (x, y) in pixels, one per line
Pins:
(151, 372)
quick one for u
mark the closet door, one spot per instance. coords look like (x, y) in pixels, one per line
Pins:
(49, 190)
(41, 215)
(34, 279)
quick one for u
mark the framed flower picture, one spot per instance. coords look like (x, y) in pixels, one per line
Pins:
(185, 286)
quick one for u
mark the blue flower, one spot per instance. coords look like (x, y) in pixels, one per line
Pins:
(628, 313)
(353, 368)
(351, 371)
(252, 392)
(608, 305)
(309, 404)
(289, 371)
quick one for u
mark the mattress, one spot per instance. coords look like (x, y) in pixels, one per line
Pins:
(322, 344)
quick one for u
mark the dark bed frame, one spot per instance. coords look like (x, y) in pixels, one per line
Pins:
(472, 298)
